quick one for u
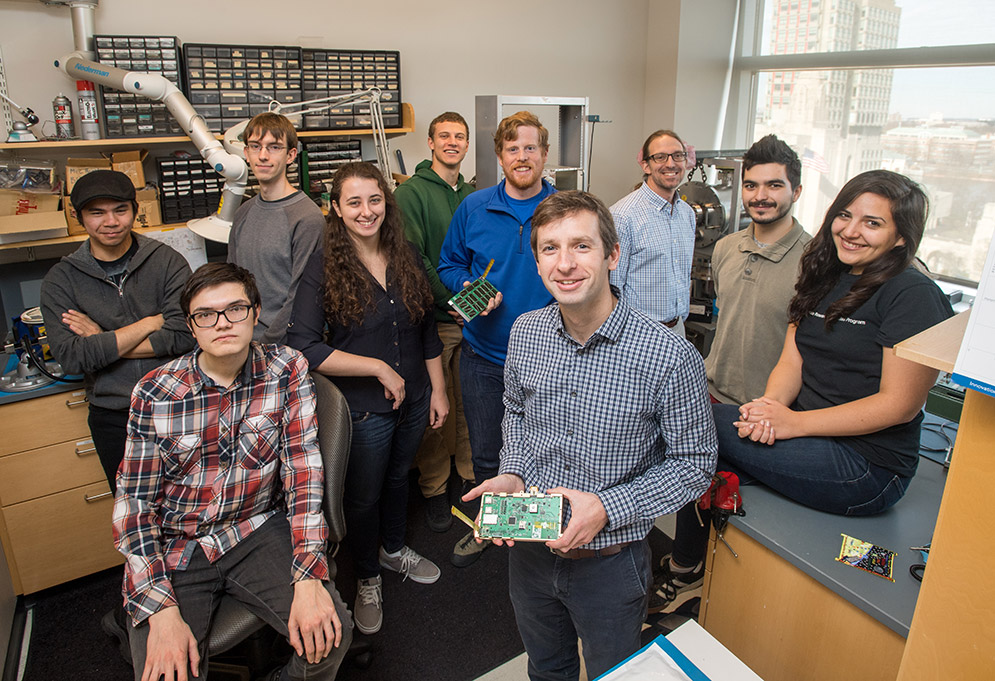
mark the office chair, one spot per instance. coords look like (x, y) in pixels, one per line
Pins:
(233, 623)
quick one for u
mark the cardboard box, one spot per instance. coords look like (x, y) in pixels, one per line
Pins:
(78, 167)
(148, 211)
(148, 208)
(127, 162)
(27, 216)
(130, 163)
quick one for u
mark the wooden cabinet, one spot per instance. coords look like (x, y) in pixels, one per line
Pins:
(55, 505)
(784, 624)
(953, 631)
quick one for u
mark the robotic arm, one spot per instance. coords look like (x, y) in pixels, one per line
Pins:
(160, 89)
(228, 159)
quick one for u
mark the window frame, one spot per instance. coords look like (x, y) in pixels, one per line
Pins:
(749, 63)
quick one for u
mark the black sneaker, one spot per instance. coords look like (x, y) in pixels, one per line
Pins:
(437, 513)
(467, 551)
(115, 624)
(668, 585)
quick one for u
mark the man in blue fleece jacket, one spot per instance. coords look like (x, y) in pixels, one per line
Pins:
(496, 223)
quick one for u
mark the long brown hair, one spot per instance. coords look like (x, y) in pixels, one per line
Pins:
(348, 289)
(821, 267)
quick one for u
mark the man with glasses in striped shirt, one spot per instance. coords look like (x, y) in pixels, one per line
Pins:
(656, 231)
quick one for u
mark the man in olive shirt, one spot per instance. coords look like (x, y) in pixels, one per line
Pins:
(428, 201)
(754, 271)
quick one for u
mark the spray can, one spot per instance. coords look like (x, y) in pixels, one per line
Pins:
(89, 128)
(63, 110)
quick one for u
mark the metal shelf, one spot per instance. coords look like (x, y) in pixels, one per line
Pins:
(407, 125)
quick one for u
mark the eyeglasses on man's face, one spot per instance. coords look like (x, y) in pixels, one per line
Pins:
(207, 319)
(678, 156)
(256, 147)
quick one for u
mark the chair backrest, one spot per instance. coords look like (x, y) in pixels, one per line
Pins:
(335, 439)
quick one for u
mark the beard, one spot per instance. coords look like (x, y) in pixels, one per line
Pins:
(524, 183)
(781, 211)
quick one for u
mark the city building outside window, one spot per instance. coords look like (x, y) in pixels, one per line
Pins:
(932, 117)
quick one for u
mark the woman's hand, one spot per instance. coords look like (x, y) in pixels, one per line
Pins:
(393, 385)
(765, 420)
(438, 409)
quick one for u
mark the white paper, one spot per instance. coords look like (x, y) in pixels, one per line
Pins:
(191, 246)
(975, 365)
(652, 664)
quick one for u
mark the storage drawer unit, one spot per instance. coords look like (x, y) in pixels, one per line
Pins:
(130, 115)
(55, 505)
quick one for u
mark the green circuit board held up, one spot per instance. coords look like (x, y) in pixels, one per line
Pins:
(472, 300)
(523, 516)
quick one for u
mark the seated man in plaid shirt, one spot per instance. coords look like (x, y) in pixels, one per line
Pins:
(220, 493)
(606, 406)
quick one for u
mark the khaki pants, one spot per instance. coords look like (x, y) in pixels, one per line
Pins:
(433, 456)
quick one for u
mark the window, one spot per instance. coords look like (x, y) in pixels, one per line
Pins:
(899, 109)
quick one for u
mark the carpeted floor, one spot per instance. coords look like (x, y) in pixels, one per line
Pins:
(427, 633)
(454, 630)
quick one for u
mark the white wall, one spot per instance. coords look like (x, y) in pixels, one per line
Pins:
(687, 57)
(450, 52)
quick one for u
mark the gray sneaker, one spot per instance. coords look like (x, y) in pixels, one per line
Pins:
(413, 566)
(467, 551)
(368, 611)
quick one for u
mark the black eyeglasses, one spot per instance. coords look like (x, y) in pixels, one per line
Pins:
(208, 319)
(678, 156)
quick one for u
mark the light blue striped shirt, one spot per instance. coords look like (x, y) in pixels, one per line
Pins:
(625, 416)
(657, 241)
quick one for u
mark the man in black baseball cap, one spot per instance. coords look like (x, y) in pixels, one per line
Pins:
(112, 313)
(102, 184)
(112, 307)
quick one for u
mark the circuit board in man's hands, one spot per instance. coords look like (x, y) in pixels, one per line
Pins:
(523, 516)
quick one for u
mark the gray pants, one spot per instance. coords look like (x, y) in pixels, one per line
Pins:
(257, 574)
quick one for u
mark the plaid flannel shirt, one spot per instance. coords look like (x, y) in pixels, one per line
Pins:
(206, 465)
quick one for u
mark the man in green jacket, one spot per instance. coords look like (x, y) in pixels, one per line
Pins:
(428, 200)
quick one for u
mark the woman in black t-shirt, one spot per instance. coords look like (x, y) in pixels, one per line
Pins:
(837, 427)
(367, 288)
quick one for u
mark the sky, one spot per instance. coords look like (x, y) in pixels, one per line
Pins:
(952, 92)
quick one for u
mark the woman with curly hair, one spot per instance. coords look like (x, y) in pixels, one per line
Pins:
(837, 428)
(362, 316)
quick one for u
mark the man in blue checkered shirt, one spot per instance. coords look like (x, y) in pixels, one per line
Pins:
(656, 231)
(606, 407)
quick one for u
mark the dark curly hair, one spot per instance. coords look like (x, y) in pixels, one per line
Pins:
(770, 149)
(821, 267)
(348, 292)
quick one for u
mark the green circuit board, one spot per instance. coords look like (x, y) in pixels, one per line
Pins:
(472, 300)
(524, 516)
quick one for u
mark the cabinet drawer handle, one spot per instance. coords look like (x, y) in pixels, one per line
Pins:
(75, 403)
(97, 497)
(83, 452)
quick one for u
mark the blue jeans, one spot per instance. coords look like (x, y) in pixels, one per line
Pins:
(376, 481)
(823, 473)
(255, 572)
(482, 382)
(601, 600)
